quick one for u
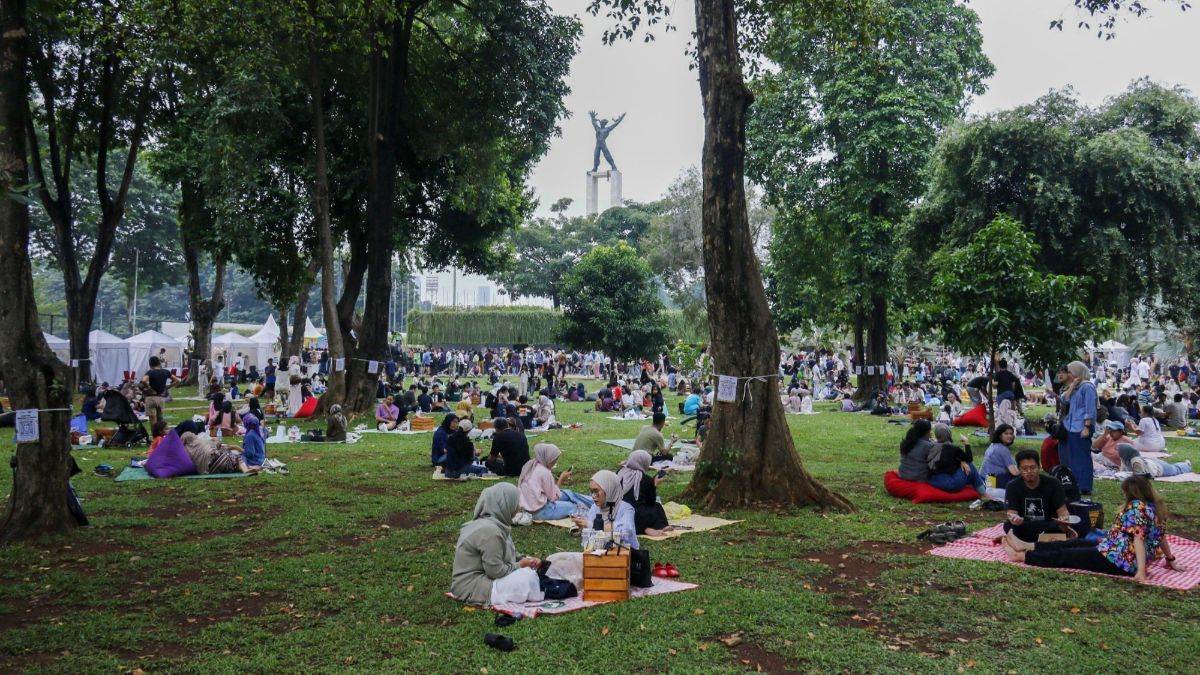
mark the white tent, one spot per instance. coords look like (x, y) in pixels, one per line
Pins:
(144, 345)
(109, 355)
(266, 342)
(1115, 351)
(233, 344)
(310, 331)
(60, 347)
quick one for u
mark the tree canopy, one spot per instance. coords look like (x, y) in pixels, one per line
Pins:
(610, 304)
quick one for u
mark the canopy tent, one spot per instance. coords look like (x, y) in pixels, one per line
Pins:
(311, 334)
(1116, 352)
(60, 347)
(233, 344)
(109, 355)
(153, 343)
(266, 342)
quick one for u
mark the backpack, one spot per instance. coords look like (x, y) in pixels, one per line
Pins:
(1062, 473)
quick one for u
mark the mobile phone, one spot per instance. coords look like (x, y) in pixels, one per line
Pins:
(661, 473)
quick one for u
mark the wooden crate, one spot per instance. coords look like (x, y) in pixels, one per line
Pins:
(475, 399)
(421, 424)
(606, 577)
(484, 425)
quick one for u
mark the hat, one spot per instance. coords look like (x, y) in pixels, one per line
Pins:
(1114, 425)
(465, 425)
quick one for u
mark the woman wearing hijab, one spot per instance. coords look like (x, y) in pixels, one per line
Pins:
(641, 492)
(544, 413)
(1081, 413)
(441, 436)
(208, 456)
(487, 568)
(541, 495)
(609, 513)
(335, 424)
(296, 388)
(254, 451)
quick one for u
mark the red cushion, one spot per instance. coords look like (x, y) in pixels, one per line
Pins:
(975, 417)
(308, 407)
(924, 493)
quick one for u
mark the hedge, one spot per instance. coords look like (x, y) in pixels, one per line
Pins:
(504, 326)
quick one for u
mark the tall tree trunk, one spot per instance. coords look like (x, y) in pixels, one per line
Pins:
(877, 351)
(352, 283)
(35, 378)
(862, 394)
(388, 78)
(335, 389)
(193, 217)
(285, 344)
(299, 322)
(749, 454)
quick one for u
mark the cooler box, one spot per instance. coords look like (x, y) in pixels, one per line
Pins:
(1091, 515)
(606, 577)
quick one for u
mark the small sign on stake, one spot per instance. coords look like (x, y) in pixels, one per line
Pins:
(27, 426)
(726, 388)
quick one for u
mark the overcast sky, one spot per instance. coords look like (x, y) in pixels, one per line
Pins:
(663, 132)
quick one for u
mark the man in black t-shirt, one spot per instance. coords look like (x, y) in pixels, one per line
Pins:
(977, 389)
(510, 450)
(158, 379)
(1036, 503)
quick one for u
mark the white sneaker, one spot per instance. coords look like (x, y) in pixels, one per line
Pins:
(523, 518)
(976, 505)
(1138, 465)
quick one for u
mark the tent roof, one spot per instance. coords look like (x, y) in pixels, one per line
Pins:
(55, 342)
(153, 337)
(310, 331)
(1113, 346)
(232, 339)
(269, 333)
(102, 337)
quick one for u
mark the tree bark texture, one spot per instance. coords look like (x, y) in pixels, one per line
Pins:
(335, 389)
(749, 455)
(299, 321)
(204, 311)
(388, 80)
(35, 378)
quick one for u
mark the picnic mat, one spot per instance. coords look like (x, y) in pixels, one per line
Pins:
(532, 609)
(686, 525)
(138, 473)
(438, 475)
(627, 443)
(1033, 437)
(401, 433)
(979, 546)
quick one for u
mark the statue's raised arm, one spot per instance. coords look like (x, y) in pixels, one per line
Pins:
(617, 121)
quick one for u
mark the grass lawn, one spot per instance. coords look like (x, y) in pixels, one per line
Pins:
(342, 564)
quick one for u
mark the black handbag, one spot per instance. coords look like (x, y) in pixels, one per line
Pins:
(640, 571)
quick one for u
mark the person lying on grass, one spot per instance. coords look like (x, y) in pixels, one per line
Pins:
(541, 495)
(641, 491)
(487, 568)
(1127, 550)
(209, 456)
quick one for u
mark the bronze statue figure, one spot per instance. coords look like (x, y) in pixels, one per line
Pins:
(603, 129)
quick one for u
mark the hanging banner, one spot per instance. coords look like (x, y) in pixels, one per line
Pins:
(870, 370)
(726, 388)
(27, 426)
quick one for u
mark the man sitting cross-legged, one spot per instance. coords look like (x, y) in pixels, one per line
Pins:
(1036, 502)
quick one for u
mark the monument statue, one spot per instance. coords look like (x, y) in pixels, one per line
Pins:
(603, 129)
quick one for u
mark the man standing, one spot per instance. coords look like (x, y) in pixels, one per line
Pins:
(650, 438)
(158, 379)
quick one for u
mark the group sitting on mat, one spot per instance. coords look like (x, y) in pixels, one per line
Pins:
(208, 452)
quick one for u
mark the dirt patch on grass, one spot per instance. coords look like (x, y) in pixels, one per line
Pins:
(251, 604)
(757, 658)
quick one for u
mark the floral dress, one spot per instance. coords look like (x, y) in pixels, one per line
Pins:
(1137, 518)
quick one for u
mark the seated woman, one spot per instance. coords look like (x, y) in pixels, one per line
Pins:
(92, 406)
(792, 404)
(461, 453)
(641, 491)
(657, 404)
(956, 406)
(225, 422)
(254, 449)
(209, 456)
(608, 513)
(998, 462)
(543, 414)
(950, 467)
(335, 424)
(387, 415)
(1006, 413)
(914, 452)
(541, 495)
(441, 436)
(1150, 435)
(487, 569)
(251, 407)
(1127, 550)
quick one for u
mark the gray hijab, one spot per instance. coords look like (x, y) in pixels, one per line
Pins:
(941, 432)
(631, 474)
(495, 508)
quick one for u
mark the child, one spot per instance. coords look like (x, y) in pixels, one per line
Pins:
(945, 417)
(158, 430)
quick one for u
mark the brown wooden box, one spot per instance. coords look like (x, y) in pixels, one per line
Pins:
(606, 577)
(421, 424)
(475, 399)
(484, 425)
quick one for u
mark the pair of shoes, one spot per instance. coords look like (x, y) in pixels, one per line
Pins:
(665, 571)
(523, 518)
(993, 505)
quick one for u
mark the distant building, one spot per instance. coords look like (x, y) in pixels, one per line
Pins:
(483, 296)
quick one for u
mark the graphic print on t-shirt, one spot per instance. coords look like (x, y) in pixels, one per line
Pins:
(1034, 509)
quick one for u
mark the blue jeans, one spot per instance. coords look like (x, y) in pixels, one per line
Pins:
(1079, 460)
(477, 469)
(564, 507)
(1169, 469)
(953, 482)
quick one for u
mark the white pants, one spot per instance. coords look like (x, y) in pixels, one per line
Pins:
(519, 586)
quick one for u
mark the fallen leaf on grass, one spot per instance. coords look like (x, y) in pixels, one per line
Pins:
(604, 631)
(672, 652)
(1067, 631)
(468, 608)
(1075, 610)
(703, 646)
(732, 641)
(697, 612)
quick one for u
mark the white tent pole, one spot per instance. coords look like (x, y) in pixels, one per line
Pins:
(136, 262)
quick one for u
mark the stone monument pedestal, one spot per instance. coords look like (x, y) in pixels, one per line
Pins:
(593, 188)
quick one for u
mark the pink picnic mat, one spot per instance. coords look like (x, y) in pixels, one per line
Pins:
(979, 546)
(532, 609)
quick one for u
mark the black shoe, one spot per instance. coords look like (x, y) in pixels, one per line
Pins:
(497, 641)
